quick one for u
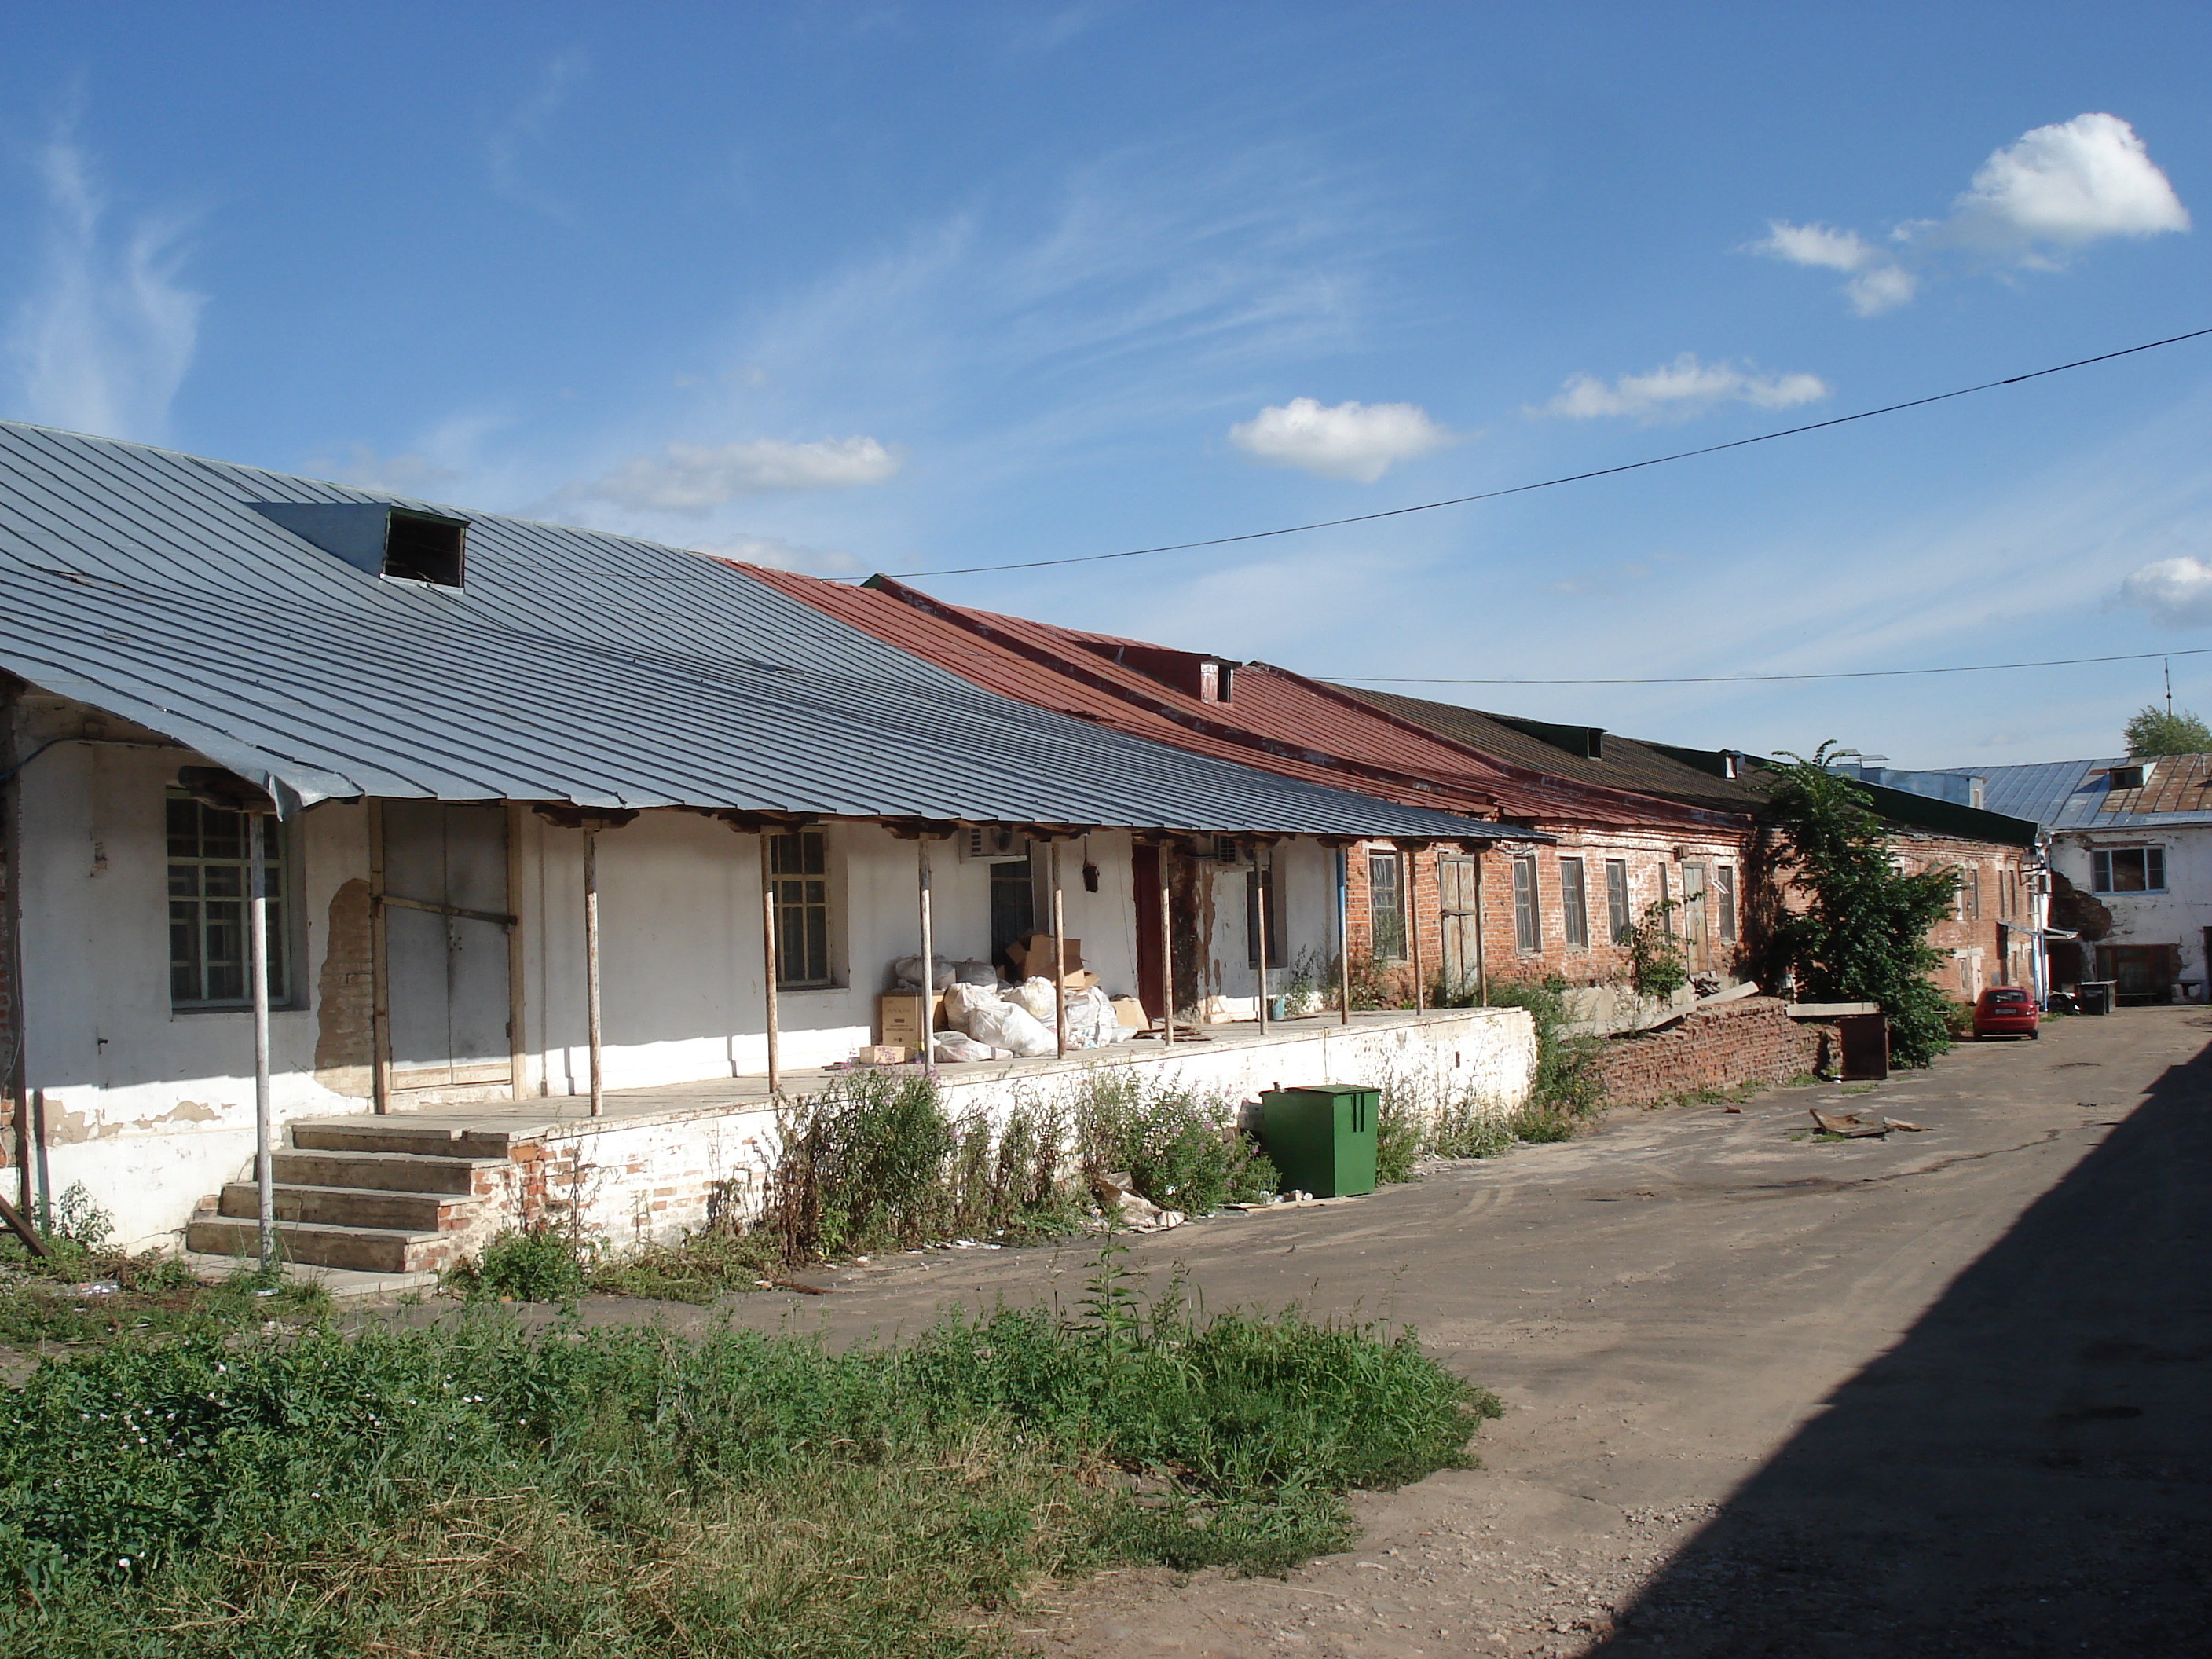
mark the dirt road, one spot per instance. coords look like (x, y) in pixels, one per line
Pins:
(1946, 1393)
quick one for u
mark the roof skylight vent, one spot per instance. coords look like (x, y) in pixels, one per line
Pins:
(403, 542)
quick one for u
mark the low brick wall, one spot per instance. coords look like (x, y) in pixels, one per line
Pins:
(1722, 1047)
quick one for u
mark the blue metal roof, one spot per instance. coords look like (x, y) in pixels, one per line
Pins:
(2077, 794)
(575, 666)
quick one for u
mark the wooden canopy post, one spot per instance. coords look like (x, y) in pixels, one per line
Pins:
(257, 937)
(1058, 958)
(928, 962)
(1167, 948)
(1414, 927)
(1260, 873)
(768, 967)
(1344, 936)
(1481, 967)
(592, 1030)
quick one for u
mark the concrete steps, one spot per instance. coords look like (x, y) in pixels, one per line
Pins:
(362, 1250)
(372, 1195)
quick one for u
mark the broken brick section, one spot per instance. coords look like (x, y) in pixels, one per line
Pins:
(1725, 1046)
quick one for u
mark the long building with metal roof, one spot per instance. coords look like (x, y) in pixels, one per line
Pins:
(226, 607)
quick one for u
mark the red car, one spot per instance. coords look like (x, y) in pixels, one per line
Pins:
(2006, 1010)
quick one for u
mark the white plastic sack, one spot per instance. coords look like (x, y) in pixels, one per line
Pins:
(1091, 1021)
(906, 971)
(1034, 997)
(1005, 1025)
(973, 972)
(960, 1001)
(957, 1046)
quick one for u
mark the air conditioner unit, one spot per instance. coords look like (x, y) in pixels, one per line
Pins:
(992, 843)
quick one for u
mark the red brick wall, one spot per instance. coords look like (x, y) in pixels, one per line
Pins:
(1602, 962)
(1722, 1047)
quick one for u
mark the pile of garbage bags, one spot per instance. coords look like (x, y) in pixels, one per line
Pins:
(1016, 1021)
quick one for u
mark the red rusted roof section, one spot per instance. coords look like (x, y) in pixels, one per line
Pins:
(1274, 719)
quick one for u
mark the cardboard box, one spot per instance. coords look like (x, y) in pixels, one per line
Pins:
(881, 1053)
(1129, 1012)
(899, 1016)
(1033, 957)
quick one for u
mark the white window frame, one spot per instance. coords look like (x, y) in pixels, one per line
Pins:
(2100, 869)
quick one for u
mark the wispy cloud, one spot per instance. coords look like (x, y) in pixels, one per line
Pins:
(509, 144)
(698, 478)
(2053, 191)
(1355, 440)
(104, 338)
(1680, 390)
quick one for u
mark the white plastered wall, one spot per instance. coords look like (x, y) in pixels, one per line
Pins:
(2179, 915)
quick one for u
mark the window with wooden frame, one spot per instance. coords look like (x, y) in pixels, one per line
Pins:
(1973, 893)
(2128, 870)
(1527, 921)
(1386, 906)
(1574, 904)
(1725, 891)
(799, 873)
(1619, 920)
(209, 885)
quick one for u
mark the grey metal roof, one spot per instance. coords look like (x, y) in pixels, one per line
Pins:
(576, 667)
(2077, 795)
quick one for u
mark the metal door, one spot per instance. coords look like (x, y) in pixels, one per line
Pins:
(445, 932)
(1455, 894)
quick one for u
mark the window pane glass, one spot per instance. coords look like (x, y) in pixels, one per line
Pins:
(1386, 912)
(2155, 868)
(1616, 898)
(184, 829)
(1527, 933)
(219, 834)
(1724, 884)
(1573, 907)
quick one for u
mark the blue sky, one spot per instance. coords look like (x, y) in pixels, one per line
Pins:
(859, 287)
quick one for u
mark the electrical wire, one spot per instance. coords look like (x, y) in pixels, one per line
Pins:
(1568, 478)
(1846, 674)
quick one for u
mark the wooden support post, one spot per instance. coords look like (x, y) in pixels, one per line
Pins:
(1167, 950)
(380, 968)
(1344, 936)
(1481, 967)
(256, 952)
(928, 964)
(1260, 874)
(767, 959)
(517, 963)
(1058, 958)
(1413, 928)
(591, 967)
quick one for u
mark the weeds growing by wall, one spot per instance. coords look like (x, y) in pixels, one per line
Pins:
(478, 1490)
(1182, 1148)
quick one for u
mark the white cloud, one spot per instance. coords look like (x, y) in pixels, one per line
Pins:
(2054, 190)
(780, 555)
(1680, 390)
(2073, 183)
(1344, 440)
(103, 343)
(1816, 245)
(695, 477)
(2177, 593)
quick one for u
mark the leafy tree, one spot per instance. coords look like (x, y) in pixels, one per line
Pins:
(2154, 731)
(1863, 938)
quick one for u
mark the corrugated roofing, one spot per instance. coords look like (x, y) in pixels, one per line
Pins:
(576, 667)
(1623, 763)
(1284, 721)
(2078, 795)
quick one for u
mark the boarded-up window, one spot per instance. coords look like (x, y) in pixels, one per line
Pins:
(208, 859)
(1386, 907)
(1574, 904)
(1527, 927)
(1617, 916)
(799, 867)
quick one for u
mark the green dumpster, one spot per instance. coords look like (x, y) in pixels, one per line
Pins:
(1322, 1138)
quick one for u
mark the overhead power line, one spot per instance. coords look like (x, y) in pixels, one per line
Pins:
(1846, 674)
(1552, 483)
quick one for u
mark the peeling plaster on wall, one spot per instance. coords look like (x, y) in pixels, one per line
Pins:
(345, 997)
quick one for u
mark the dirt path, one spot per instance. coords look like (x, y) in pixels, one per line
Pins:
(1943, 1393)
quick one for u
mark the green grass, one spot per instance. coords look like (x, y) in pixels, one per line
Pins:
(479, 1490)
(42, 1301)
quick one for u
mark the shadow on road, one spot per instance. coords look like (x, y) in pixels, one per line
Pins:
(2028, 1471)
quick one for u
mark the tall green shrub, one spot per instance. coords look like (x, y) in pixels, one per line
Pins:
(1864, 935)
